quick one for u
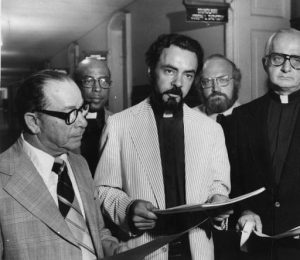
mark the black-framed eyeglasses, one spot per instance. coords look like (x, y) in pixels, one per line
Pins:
(90, 82)
(278, 59)
(69, 117)
(222, 81)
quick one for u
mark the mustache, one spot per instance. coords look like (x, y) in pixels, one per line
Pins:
(175, 91)
(216, 94)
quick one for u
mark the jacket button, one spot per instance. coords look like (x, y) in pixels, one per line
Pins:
(164, 249)
(277, 204)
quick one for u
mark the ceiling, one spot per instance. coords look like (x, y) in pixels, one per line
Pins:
(35, 30)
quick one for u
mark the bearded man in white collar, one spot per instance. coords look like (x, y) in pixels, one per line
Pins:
(264, 146)
(219, 86)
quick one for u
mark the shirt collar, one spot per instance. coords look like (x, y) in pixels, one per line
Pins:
(285, 99)
(41, 160)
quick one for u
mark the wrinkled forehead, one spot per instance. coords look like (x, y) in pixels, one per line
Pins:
(95, 69)
(62, 93)
(215, 67)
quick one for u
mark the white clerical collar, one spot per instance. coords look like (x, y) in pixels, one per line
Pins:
(284, 99)
(91, 115)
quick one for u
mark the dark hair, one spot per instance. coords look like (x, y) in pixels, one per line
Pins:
(30, 95)
(165, 41)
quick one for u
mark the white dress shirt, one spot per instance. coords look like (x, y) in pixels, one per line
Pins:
(43, 162)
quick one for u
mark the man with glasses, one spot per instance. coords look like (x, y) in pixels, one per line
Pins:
(93, 78)
(48, 210)
(264, 146)
(219, 86)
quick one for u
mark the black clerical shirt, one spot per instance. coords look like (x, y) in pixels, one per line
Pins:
(282, 115)
(171, 143)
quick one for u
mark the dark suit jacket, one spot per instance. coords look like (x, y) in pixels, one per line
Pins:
(248, 148)
(90, 143)
(31, 226)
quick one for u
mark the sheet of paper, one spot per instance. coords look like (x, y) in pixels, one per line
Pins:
(140, 252)
(208, 206)
(289, 233)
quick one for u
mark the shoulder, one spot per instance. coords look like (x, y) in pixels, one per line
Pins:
(199, 119)
(251, 107)
(200, 108)
(130, 112)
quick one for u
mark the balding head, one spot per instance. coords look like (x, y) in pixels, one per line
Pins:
(89, 70)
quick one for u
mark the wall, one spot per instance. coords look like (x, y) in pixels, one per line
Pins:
(94, 40)
(150, 18)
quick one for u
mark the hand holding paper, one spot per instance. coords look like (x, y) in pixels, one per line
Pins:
(141, 215)
(220, 216)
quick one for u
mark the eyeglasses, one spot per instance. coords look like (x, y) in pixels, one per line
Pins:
(69, 117)
(222, 81)
(278, 59)
(90, 82)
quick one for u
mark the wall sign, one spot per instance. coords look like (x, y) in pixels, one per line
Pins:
(206, 12)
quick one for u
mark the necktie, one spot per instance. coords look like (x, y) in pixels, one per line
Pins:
(70, 210)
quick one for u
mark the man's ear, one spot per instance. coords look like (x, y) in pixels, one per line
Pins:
(32, 122)
(265, 63)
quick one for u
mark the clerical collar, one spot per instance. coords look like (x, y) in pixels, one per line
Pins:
(91, 115)
(285, 99)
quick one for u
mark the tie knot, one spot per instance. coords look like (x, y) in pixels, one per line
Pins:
(58, 165)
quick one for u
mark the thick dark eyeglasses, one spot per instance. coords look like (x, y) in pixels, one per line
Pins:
(90, 82)
(69, 117)
(222, 81)
(278, 59)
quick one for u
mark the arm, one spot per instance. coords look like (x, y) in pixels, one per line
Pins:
(221, 181)
(111, 180)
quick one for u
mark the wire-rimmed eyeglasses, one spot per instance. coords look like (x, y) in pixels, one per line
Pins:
(278, 59)
(90, 82)
(69, 117)
(222, 81)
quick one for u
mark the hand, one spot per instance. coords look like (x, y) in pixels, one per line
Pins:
(249, 216)
(220, 218)
(141, 215)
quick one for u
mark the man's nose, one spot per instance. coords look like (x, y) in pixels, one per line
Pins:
(286, 66)
(177, 81)
(215, 85)
(97, 86)
(81, 120)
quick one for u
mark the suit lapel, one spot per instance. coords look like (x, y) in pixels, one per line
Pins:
(86, 195)
(258, 140)
(143, 130)
(28, 188)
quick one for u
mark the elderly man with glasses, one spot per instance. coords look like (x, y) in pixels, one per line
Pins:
(264, 146)
(219, 86)
(93, 78)
(48, 210)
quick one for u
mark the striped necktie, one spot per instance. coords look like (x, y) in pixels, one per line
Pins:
(70, 210)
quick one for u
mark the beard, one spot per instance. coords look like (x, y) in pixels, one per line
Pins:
(218, 102)
(165, 102)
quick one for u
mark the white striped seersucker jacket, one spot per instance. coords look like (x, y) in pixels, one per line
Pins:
(130, 168)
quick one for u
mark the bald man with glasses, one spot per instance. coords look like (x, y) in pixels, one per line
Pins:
(94, 79)
(48, 210)
(264, 147)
